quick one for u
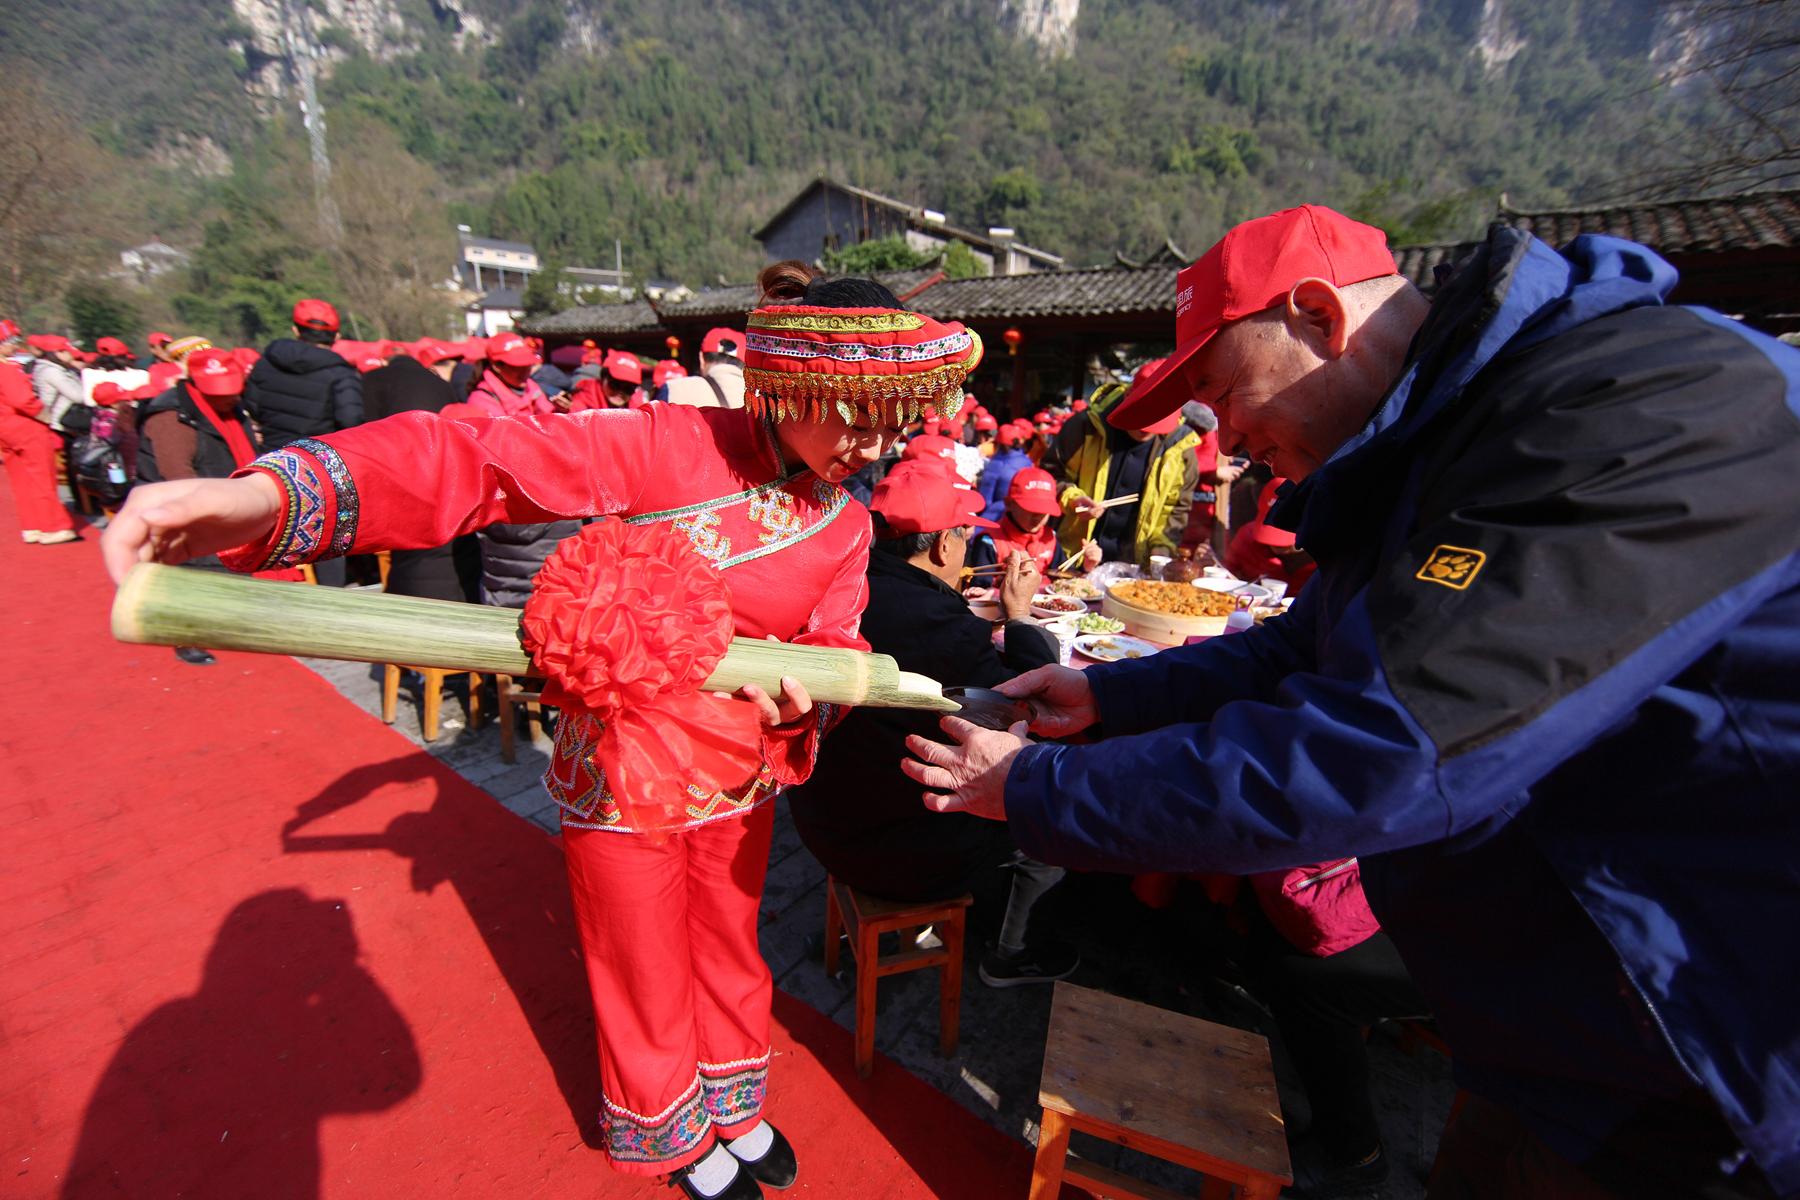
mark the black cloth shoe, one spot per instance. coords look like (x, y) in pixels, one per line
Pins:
(194, 655)
(741, 1187)
(1035, 964)
(777, 1167)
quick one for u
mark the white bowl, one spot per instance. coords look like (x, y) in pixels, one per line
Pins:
(1257, 592)
(1228, 584)
(987, 610)
(1051, 607)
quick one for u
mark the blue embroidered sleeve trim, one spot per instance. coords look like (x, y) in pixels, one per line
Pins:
(349, 508)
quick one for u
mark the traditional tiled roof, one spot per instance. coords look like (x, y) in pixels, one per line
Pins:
(1420, 263)
(1709, 224)
(1100, 291)
(635, 316)
(914, 214)
(733, 303)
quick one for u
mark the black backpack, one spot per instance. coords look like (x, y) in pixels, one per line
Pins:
(96, 464)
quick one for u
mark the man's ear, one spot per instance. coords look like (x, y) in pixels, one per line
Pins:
(940, 546)
(1318, 313)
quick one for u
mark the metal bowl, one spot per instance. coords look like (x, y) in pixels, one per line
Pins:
(987, 708)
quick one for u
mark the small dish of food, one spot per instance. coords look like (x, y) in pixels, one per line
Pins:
(1113, 647)
(1079, 587)
(1050, 606)
(1095, 623)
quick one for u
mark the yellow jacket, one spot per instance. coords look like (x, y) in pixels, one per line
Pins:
(1080, 461)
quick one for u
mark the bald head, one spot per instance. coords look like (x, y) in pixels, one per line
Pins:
(1293, 382)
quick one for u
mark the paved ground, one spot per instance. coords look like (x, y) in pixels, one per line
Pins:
(1128, 949)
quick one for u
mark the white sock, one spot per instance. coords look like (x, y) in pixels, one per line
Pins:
(753, 1145)
(714, 1172)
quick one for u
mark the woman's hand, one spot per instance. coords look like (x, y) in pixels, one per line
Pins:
(1091, 554)
(1061, 699)
(969, 776)
(1087, 506)
(792, 704)
(189, 518)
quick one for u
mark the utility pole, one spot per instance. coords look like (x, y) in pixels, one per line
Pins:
(302, 55)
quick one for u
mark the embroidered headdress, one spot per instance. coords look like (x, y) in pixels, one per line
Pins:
(884, 362)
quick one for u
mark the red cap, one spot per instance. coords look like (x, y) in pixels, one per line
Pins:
(914, 498)
(215, 373)
(1078, 406)
(1009, 435)
(8, 330)
(1034, 490)
(930, 426)
(1262, 532)
(49, 342)
(1148, 377)
(432, 352)
(928, 445)
(722, 341)
(985, 423)
(114, 347)
(1041, 417)
(316, 314)
(510, 348)
(475, 348)
(624, 367)
(157, 337)
(953, 430)
(246, 358)
(666, 370)
(1253, 267)
(107, 393)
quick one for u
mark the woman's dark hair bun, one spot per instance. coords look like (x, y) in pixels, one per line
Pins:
(785, 282)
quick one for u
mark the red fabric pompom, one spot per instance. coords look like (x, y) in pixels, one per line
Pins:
(626, 622)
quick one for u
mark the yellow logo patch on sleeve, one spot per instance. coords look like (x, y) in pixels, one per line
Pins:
(1453, 566)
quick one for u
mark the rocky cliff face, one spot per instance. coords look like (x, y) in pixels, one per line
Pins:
(279, 30)
(1050, 24)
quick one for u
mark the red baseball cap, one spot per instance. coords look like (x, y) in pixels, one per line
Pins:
(49, 342)
(985, 423)
(316, 314)
(433, 352)
(722, 341)
(157, 338)
(8, 330)
(215, 373)
(928, 445)
(510, 348)
(246, 357)
(1009, 435)
(1078, 406)
(1253, 267)
(1148, 376)
(666, 370)
(1041, 417)
(113, 346)
(915, 498)
(624, 367)
(107, 393)
(1034, 490)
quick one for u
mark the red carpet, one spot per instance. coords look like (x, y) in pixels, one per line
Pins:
(252, 943)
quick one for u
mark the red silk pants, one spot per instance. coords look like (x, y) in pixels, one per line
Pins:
(29, 450)
(681, 993)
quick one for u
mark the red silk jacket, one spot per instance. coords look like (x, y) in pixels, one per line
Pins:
(792, 547)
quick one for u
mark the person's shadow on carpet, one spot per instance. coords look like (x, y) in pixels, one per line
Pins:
(510, 878)
(221, 1093)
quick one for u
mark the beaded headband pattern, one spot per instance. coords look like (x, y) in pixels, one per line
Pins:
(801, 362)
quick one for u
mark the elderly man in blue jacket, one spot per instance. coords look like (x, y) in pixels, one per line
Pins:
(1546, 683)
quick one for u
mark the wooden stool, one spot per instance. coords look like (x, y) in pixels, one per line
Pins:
(431, 697)
(508, 692)
(867, 918)
(1185, 1090)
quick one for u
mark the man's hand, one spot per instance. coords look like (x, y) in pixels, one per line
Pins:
(1062, 700)
(189, 518)
(969, 776)
(1091, 554)
(1018, 585)
(1087, 506)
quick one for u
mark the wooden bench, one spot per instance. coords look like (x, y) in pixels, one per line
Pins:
(509, 692)
(1184, 1090)
(866, 918)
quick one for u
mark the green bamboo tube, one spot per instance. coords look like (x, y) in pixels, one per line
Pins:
(169, 606)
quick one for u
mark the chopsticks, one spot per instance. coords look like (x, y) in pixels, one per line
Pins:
(995, 569)
(1070, 561)
(1118, 500)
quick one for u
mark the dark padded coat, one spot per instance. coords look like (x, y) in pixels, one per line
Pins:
(301, 390)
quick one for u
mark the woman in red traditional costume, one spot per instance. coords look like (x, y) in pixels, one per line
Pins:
(666, 901)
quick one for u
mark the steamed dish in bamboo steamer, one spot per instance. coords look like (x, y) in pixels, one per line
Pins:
(1169, 613)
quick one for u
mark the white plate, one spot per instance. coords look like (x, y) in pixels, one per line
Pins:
(1040, 607)
(1116, 646)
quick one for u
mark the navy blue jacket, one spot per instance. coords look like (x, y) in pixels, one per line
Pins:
(1546, 683)
(996, 478)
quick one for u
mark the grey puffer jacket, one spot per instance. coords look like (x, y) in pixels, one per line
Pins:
(58, 389)
(512, 555)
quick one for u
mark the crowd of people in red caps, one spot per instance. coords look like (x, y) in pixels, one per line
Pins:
(104, 419)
